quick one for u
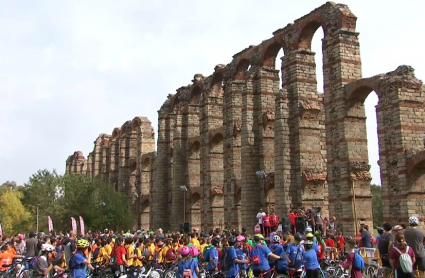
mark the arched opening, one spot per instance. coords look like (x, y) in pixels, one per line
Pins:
(144, 215)
(270, 198)
(241, 68)
(217, 144)
(370, 104)
(146, 164)
(217, 83)
(316, 47)
(195, 96)
(115, 133)
(278, 65)
(135, 124)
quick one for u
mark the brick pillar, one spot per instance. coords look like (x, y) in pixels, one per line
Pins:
(232, 118)
(212, 175)
(114, 144)
(346, 152)
(251, 194)
(308, 146)
(124, 159)
(179, 170)
(90, 165)
(193, 181)
(104, 173)
(97, 157)
(264, 99)
(160, 191)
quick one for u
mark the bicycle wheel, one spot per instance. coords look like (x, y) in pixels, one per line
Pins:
(154, 274)
(169, 274)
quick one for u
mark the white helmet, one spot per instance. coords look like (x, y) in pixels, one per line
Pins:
(308, 230)
(413, 220)
(276, 238)
(47, 247)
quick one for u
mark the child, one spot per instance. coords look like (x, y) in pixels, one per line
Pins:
(396, 252)
(349, 263)
(312, 267)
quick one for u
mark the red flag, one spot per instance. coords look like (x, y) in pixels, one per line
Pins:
(82, 227)
(49, 223)
(74, 225)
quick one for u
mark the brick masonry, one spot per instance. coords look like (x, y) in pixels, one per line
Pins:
(217, 132)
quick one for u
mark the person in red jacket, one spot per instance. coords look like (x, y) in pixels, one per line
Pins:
(274, 220)
(292, 215)
(267, 225)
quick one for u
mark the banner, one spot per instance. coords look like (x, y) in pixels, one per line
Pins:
(49, 224)
(1, 230)
(82, 227)
(74, 225)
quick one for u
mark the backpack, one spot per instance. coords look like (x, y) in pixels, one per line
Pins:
(32, 262)
(187, 271)
(113, 259)
(405, 260)
(171, 254)
(256, 255)
(383, 246)
(194, 252)
(207, 255)
(224, 264)
(145, 253)
(96, 253)
(358, 261)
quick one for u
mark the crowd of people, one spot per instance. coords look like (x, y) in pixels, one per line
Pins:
(230, 252)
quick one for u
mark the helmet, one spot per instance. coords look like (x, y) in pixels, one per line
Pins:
(298, 237)
(232, 239)
(308, 230)
(32, 234)
(160, 243)
(47, 247)
(309, 235)
(215, 241)
(317, 233)
(308, 242)
(240, 238)
(82, 243)
(106, 231)
(258, 237)
(413, 221)
(397, 228)
(380, 229)
(276, 238)
(184, 250)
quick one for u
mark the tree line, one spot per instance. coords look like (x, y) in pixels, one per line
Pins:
(62, 197)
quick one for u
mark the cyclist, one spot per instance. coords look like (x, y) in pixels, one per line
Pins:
(294, 252)
(277, 249)
(212, 263)
(259, 257)
(187, 267)
(242, 252)
(232, 259)
(80, 262)
(44, 265)
(312, 267)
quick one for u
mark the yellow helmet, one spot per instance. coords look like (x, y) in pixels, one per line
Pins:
(309, 235)
(82, 243)
(258, 236)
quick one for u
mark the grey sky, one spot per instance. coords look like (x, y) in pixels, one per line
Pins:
(70, 70)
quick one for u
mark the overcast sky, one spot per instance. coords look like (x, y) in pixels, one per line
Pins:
(70, 70)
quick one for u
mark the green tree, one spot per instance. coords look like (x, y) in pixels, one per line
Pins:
(15, 218)
(376, 205)
(63, 197)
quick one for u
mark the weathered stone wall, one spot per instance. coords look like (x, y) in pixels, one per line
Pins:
(126, 159)
(218, 133)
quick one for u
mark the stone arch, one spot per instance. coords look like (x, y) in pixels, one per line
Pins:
(241, 68)
(217, 143)
(416, 184)
(195, 95)
(136, 123)
(360, 89)
(146, 164)
(116, 133)
(217, 81)
(270, 198)
(269, 57)
(195, 150)
(307, 33)
(195, 200)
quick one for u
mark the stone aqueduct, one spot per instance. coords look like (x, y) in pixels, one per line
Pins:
(214, 134)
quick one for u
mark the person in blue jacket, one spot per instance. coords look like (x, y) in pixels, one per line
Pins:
(311, 263)
(277, 249)
(259, 257)
(232, 259)
(294, 252)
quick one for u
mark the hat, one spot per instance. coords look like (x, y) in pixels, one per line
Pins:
(309, 235)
